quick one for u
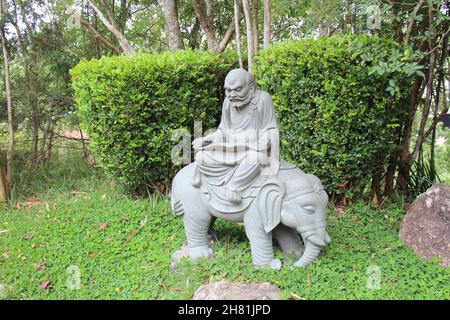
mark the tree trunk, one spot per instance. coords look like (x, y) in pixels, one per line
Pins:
(375, 189)
(433, 156)
(29, 66)
(411, 20)
(97, 42)
(4, 192)
(114, 29)
(43, 152)
(207, 24)
(392, 167)
(50, 145)
(267, 23)
(427, 105)
(170, 12)
(238, 33)
(46, 156)
(404, 166)
(35, 135)
(389, 180)
(411, 157)
(10, 153)
(85, 149)
(254, 20)
(229, 33)
(250, 35)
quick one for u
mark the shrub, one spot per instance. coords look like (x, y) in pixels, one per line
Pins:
(339, 103)
(131, 105)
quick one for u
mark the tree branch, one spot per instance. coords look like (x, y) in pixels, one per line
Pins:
(411, 21)
(428, 96)
(97, 35)
(229, 33)
(110, 25)
(206, 22)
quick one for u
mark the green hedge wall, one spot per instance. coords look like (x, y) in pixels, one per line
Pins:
(131, 105)
(340, 102)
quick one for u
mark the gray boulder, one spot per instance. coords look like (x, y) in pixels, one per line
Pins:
(225, 290)
(426, 226)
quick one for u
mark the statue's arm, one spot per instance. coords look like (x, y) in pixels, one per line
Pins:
(268, 122)
(269, 139)
(215, 136)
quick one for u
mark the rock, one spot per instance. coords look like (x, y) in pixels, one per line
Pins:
(426, 226)
(225, 290)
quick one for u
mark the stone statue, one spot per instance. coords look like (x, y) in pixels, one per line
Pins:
(241, 145)
(238, 175)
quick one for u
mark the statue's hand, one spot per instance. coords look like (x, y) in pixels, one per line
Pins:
(201, 142)
(263, 143)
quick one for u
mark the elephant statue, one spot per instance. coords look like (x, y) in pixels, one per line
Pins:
(289, 207)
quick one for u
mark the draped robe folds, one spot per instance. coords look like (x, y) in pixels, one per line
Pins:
(242, 137)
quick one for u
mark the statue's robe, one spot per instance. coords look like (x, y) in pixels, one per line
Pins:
(237, 141)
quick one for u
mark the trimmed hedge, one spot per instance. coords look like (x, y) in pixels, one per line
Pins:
(340, 104)
(130, 106)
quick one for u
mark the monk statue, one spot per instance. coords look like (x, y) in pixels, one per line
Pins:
(246, 143)
(239, 175)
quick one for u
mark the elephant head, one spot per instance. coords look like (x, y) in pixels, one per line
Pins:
(299, 203)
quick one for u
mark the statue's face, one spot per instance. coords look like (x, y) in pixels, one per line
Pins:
(238, 89)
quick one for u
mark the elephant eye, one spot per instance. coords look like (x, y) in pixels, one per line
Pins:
(309, 209)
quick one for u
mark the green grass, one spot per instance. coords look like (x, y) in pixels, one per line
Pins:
(130, 257)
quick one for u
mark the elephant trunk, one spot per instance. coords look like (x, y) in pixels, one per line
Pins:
(313, 244)
(311, 252)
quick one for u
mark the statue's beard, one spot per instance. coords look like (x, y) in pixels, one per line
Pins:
(241, 103)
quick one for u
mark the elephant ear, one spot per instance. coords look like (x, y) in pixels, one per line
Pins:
(268, 203)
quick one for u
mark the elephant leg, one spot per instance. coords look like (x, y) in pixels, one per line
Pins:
(260, 242)
(289, 240)
(196, 227)
(212, 236)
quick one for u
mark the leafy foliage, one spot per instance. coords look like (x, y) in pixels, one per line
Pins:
(422, 176)
(339, 102)
(131, 106)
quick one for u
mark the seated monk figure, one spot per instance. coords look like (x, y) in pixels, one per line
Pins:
(246, 143)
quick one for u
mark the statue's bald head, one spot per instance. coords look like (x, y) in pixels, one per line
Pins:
(239, 74)
(239, 87)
